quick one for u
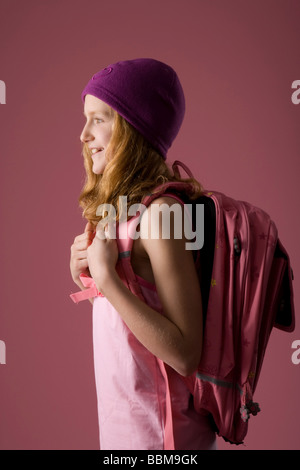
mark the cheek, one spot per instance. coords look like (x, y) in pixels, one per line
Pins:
(107, 132)
(107, 138)
(104, 136)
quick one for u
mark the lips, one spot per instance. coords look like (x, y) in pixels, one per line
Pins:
(96, 151)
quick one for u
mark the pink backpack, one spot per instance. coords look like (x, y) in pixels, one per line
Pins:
(250, 292)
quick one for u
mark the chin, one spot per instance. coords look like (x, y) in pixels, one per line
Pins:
(98, 171)
(99, 166)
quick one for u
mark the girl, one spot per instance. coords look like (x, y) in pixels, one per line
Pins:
(133, 111)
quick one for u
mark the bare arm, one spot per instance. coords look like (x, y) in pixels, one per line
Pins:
(176, 336)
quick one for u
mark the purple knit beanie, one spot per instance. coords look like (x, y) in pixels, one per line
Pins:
(145, 92)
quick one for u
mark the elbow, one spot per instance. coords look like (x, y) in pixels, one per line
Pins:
(187, 371)
(189, 365)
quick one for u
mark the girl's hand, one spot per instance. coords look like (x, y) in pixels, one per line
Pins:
(102, 255)
(78, 261)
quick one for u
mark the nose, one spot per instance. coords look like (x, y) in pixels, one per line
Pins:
(85, 135)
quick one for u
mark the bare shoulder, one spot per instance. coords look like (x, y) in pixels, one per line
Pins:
(174, 271)
(162, 238)
(163, 219)
(155, 218)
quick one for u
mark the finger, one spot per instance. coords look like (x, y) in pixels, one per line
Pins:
(82, 264)
(101, 234)
(107, 232)
(89, 227)
(81, 244)
(81, 255)
(84, 237)
(110, 231)
(100, 231)
(89, 233)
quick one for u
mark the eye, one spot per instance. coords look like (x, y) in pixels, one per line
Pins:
(98, 120)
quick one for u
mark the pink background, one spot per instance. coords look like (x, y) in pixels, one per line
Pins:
(237, 61)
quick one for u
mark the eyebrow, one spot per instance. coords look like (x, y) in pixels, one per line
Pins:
(92, 113)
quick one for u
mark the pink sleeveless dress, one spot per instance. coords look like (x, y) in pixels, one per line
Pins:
(131, 389)
(131, 383)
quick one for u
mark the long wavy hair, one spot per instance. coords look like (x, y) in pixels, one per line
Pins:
(134, 169)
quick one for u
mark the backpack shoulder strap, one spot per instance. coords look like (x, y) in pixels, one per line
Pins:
(126, 231)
